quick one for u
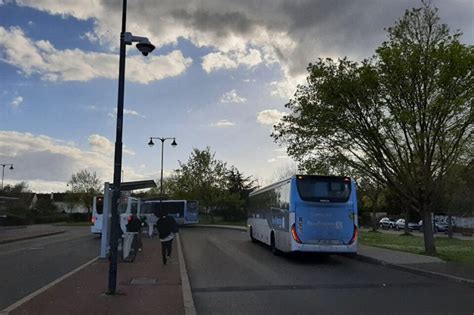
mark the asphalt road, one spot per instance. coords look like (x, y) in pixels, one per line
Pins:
(26, 266)
(231, 275)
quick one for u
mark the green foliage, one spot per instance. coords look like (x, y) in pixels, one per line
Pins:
(84, 185)
(402, 118)
(455, 250)
(46, 206)
(219, 189)
(21, 187)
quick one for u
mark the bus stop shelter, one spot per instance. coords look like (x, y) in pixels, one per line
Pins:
(107, 215)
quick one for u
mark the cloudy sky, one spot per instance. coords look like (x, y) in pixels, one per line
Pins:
(220, 77)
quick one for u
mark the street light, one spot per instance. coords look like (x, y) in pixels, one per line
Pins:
(173, 144)
(145, 47)
(3, 170)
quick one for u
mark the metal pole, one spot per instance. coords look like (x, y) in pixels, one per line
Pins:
(3, 173)
(161, 180)
(112, 284)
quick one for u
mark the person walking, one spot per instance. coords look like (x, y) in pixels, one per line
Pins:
(166, 226)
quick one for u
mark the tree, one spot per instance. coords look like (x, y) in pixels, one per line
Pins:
(219, 189)
(201, 178)
(84, 185)
(402, 118)
(284, 172)
(21, 187)
(237, 183)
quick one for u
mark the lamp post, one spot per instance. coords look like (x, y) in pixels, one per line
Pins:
(3, 170)
(145, 47)
(173, 144)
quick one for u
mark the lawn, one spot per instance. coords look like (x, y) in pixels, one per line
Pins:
(455, 250)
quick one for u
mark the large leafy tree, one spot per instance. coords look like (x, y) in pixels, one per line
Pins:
(402, 117)
(218, 188)
(201, 178)
(83, 186)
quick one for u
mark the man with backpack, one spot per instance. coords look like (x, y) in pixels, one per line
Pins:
(166, 226)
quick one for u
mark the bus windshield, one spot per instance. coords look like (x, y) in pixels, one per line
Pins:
(99, 205)
(324, 189)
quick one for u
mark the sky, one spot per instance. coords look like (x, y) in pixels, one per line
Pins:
(220, 76)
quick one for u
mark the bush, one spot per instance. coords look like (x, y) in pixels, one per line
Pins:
(11, 219)
(231, 214)
(78, 217)
(52, 218)
(46, 206)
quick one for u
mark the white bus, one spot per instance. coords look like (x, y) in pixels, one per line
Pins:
(306, 213)
(97, 214)
(183, 211)
(127, 206)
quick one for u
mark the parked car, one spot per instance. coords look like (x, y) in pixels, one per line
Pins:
(386, 223)
(400, 225)
(438, 227)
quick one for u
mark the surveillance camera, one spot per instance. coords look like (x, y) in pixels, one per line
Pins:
(145, 48)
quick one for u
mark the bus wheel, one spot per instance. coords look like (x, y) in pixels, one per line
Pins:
(275, 251)
(251, 236)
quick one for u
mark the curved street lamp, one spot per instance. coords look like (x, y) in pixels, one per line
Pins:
(173, 144)
(145, 47)
(3, 170)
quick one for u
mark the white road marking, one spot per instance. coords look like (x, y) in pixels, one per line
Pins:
(27, 298)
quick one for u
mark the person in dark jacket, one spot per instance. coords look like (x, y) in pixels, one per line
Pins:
(166, 226)
(135, 225)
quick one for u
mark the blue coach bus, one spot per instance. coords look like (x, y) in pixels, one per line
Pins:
(306, 213)
(183, 211)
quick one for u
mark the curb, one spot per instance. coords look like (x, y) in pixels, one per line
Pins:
(30, 296)
(432, 274)
(11, 240)
(189, 308)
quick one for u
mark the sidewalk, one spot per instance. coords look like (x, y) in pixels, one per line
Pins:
(145, 286)
(428, 265)
(17, 233)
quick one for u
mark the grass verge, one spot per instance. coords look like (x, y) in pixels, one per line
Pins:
(455, 250)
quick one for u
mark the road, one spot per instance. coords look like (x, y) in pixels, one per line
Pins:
(26, 266)
(231, 275)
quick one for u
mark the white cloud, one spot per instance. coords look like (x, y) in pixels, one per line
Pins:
(41, 57)
(232, 97)
(38, 157)
(47, 163)
(16, 101)
(90, 36)
(270, 116)
(101, 144)
(126, 112)
(247, 32)
(231, 60)
(223, 124)
(272, 160)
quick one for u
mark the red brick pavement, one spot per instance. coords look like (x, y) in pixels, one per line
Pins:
(83, 292)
